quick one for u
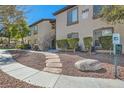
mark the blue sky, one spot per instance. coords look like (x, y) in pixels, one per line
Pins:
(37, 12)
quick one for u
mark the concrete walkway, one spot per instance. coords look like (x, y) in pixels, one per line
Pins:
(45, 79)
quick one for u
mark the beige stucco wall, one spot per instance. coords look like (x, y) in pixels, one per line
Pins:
(85, 27)
(44, 30)
(27, 40)
(33, 39)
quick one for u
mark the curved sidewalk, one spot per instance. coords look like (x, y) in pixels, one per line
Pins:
(44, 79)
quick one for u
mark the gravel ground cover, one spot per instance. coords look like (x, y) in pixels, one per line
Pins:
(68, 60)
(7, 81)
(34, 60)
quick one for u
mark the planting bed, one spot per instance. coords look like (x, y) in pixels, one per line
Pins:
(7, 81)
(34, 60)
(68, 60)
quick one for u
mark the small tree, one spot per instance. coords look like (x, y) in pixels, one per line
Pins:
(72, 43)
(113, 14)
(87, 43)
(23, 30)
(106, 42)
(8, 16)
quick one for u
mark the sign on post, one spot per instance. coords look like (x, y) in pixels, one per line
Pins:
(116, 41)
(116, 38)
(117, 50)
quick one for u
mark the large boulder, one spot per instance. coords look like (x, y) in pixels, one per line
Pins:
(88, 65)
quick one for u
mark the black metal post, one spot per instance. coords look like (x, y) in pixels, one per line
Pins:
(115, 69)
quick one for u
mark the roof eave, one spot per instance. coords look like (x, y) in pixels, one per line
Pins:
(41, 21)
(63, 9)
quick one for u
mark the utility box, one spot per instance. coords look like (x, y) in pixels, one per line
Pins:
(118, 49)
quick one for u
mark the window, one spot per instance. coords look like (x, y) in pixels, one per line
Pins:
(73, 35)
(85, 13)
(107, 32)
(72, 16)
(31, 28)
(96, 10)
(34, 28)
(35, 32)
(29, 34)
(101, 32)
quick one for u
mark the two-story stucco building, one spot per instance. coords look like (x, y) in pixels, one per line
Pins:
(43, 34)
(83, 21)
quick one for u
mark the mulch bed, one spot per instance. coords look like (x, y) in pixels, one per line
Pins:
(7, 81)
(34, 60)
(68, 60)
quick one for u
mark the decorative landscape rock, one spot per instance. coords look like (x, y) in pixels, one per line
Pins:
(88, 65)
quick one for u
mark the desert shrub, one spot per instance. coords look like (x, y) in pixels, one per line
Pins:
(20, 46)
(106, 42)
(63, 44)
(25, 46)
(69, 43)
(72, 42)
(1, 41)
(87, 42)
(35, 47)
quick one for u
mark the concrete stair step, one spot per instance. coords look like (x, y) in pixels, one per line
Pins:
(53, 60)
(53, 64)
(52, 57)
(53, 70)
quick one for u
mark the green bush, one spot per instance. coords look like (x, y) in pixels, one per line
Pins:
(20, 46)
(87, 42)
(1, 41)
(25, 46)
(106, 42)
(72, 43)
(62, 43)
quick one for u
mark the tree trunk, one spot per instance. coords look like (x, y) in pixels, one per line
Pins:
(9, 39)
(22, 40)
